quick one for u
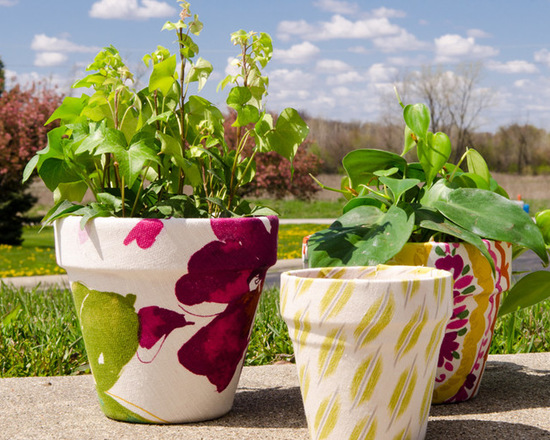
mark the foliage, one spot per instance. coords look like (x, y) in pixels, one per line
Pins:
(392, 202)
(23, 113)
(136, 150)
(275, 175)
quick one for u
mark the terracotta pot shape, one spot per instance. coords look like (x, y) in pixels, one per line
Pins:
(477, 292)
(166, 308)
(366, 341)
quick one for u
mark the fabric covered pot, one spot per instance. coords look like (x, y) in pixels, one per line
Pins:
(366, 341)
(166, 308)
(477, 292)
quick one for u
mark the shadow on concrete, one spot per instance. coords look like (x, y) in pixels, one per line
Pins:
(478, 429)
(505, 386)
(272, 408)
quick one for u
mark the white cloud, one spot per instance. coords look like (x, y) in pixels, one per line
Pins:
(48, 59)
(379, 73)
(8, 2)
(388, 13)
(131, 9)
(452, 48)
(346, 78)
(403, 40)
(477, 33)
(359, 49)
(337, 6)
(338, 27)
(514, 66)
(542, 56)
(297, 54)
(41, 42)
(231, 68)
(332, 66)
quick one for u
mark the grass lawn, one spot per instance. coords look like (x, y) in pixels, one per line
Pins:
(41, 335)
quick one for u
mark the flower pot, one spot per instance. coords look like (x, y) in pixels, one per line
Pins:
(366, 341)
(476, 293)
(166, 308)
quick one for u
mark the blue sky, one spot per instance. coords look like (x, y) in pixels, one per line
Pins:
(332, 58)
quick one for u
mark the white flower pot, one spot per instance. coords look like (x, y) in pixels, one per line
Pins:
(366, 341)
(166, 308)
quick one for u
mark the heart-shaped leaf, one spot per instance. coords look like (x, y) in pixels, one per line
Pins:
(492, 216)
(360, 165)
(434, 154)
(529, 290)
(417, 118)
(399, 186)
(363, 236)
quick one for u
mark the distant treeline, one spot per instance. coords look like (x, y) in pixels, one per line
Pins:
(515, 148)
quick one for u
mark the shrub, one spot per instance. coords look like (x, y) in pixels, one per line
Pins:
(23, 112)
(274, 176)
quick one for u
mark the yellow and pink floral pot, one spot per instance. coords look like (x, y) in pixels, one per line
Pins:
(366, 341)
(166, 308)
(477, 293)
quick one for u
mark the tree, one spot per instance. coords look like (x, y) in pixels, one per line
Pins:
(455, 99)
(2, 77)
(23, 113)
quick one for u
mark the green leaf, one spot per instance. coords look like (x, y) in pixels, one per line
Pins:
(238, 96)
(436, 222)
(363, 236)
(199, 72)
(417, 118)
(69, 110)
(289, 133)
(409, 142)
(360, 165)
(59, 210)
(492, 216)
(529, 290)
(73, 191)
(399, 186)
(433, 154)
(477, 165)
(163, 75)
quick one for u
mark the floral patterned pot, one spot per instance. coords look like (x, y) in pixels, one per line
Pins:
(476, 293)
(366, 341)
(166, 308)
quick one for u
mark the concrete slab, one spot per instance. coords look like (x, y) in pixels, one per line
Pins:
(513, 403)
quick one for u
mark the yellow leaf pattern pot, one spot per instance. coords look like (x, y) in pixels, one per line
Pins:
(366, 341)
(477, 292)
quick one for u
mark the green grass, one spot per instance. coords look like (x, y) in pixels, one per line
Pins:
(35, 257)
(41, 336)
(289, 209)
(40, 333)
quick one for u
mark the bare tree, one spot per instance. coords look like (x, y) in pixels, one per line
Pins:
(455, 99)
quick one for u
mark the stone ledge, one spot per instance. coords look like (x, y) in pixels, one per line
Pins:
(513, 403)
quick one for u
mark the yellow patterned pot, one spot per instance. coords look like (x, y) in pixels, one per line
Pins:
(366, 341)
(476, 293)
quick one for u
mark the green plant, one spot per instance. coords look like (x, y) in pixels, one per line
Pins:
(392, 202)
(136, 150)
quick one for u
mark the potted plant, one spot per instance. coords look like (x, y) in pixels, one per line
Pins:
(366, 341)
(433, 213)
(166, 261)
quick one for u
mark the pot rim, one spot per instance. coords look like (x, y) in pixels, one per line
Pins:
(408, 273)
